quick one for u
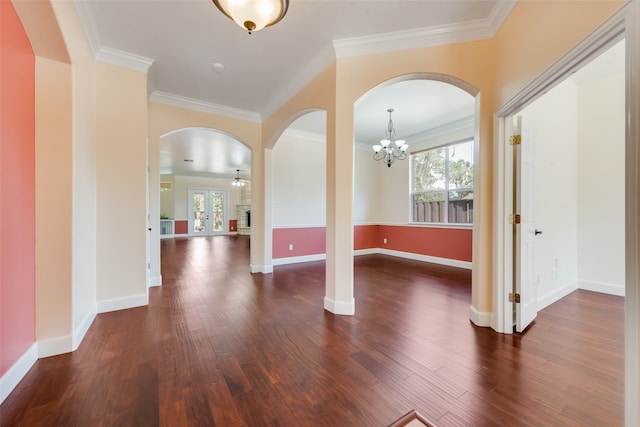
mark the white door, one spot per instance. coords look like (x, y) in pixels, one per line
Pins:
(525, 232)
(207, 212)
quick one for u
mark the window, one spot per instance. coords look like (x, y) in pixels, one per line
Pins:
(442, 184)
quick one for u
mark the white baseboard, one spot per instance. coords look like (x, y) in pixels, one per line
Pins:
(605, 288)
(123, 303)
(17, 371)
(155, 281)
(480, 318)
(426, 258)
(55, 346)
(340, 307)
(298, 259)
(372, 251)
(264, 269)
(81, 330)
(555, 295)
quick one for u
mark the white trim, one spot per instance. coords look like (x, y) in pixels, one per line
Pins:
(264, 269)
(305, 135)
(427, 258)
(81, 330)
(300, 226)
(203, 106)
(555, 295)
(632, 214)
(480, 318)
(124, 59)
(378, 251)
(347, 308)
(456, 125)
(438, 35)
(603, 288)
(55, 346)
(123, 303)
(156, 280)
(17, 371)
(299, 259)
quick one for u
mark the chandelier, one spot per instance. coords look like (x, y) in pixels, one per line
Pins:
(253, 15)
(238, 182)
(390, 148)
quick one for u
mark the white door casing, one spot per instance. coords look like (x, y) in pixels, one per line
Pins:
(525, 232)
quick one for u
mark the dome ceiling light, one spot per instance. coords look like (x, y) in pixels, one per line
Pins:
(253, 15)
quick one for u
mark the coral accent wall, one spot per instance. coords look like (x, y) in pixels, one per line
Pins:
(305, 241)
(449, 243)
(17, 189)
(181, 226)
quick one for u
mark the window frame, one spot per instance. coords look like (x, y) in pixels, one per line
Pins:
(446, 190)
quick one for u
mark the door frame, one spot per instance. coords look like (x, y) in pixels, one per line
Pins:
(624, 24)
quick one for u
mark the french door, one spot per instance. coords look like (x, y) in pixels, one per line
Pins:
(207, 212)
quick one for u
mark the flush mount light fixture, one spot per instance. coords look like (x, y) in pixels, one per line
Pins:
(390, 148)
(253, 15)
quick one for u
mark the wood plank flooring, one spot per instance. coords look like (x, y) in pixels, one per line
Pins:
(218, 346)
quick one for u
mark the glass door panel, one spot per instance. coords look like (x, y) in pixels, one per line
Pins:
(217, 212)
(208, 212)
(199, 201)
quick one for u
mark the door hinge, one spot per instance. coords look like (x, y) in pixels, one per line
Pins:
(515, 140)
(514, 218)
(514, 298)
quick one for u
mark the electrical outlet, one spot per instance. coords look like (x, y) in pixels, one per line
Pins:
(290, 246)
(384, 240)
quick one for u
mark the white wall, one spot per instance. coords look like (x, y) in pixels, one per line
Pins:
(365, 191)
(580, 186)
(601, 185)
(181, 185)
(382, 195)
(167, 199)
(299, 181)
(554, 120)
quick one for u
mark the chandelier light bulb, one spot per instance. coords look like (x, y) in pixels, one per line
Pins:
(390, 148)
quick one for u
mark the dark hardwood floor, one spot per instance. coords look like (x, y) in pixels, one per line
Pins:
(218, 346)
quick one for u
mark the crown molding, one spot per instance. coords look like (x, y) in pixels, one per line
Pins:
(444, 129)
(422, 37)
(304, 135)
(206, 107)
(124, 59)
(465, 123)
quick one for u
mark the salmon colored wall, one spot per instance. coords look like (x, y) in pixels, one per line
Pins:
(449, 243)
(17, 189)
(365, 236)
(233, 225)
(306, 241)
(181, 226)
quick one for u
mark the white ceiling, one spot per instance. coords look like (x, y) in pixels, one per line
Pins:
(179, 40)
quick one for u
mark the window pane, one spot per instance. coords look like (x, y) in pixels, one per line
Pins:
(429, 207)
(461, 165)
(429, 170)
(461, 206)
